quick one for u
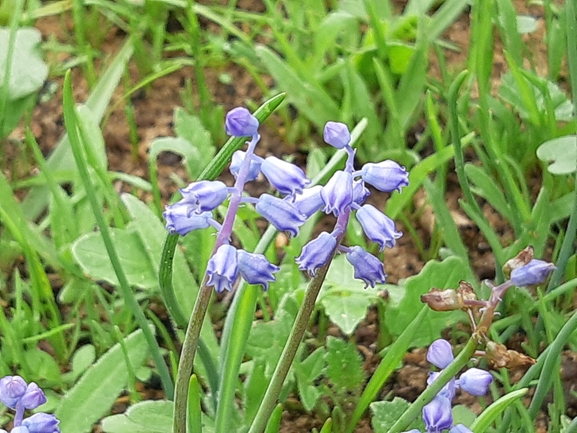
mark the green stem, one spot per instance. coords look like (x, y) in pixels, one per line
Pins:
(301, 323)
(432, 390)
(71, 122)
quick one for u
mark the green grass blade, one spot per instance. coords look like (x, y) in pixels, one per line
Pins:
(495, 409)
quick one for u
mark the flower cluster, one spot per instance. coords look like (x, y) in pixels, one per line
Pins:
(344, 193)
(18, 395)
(438, 415)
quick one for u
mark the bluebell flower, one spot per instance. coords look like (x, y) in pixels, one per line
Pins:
(316, 253)
(337, 134)
(378, 227)
(337, 194)
(475, 381)
(18, 429)
(280, 213)
(386, 176)
(33, 397)
(255, 268)
(41, 423)
(180, 220)
(222, 269)
(287, 178)
(204, 196)
(240, 123)
(310, 201)
(534, 272)
(438, 414)
(360, 192)
(12, 389)
(253, 168)
(440, 353)
(367, 267)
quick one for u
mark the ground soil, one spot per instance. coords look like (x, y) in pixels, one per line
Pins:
(153, 108)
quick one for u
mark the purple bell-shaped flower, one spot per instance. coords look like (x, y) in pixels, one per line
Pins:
(12, 389)
(440, 353)
(255, 268)
(310, 201)
(337, 194)
(280, 213)
(337, 134)
(180, 220)
(204, 196)
(438, 415)
(367, 267)
(386, 176)
(475, 381)
(240, 123)
(222, 269)
(316, 253)
(287, 178)
(41, 423)
(33, 397)
(378, 227)
(534, 272)
(253, 168)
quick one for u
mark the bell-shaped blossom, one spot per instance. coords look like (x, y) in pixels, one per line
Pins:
(475, 381)
(440, 353)
(337, 194)
(12, 389)
(360, 192)
(280, 213)
(41, 423)
(18, 429)
(205, 195)
(438, 415)
(255, 268)
(180, 220)
(534, 272)
(310, 201)
(253, 168)
(316, 253)
(287, 178)
(386, 176)
(367, 267)
(240, 123)
(337, 134)
(33, 397)
(378, 227)
(222, 268)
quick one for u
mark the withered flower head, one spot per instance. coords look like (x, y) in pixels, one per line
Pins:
(499, 356)
(521, 259)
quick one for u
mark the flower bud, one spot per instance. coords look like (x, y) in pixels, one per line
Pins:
(367, 267)
(534, 272)
(386, 176)
(180, 220)
(12, 389)
(240, 123)
(287, 178)
(337, 194)
(204, 196)
(255, 268)
(438, 415)
(475, 381)
(337, 134)
(378, 227)
(309, 201)
(222, 268)
(280, 213)
(33, 397)
(41, 423)
(440, 353)
(316, 253)
(253, 168)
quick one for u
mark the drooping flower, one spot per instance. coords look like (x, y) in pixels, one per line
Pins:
(386, 176)
(179, 220)
(337, 134)
(240, 123)
(337, 194)
(378, 227)
(222, 268)
(534, 272)
(440, 353)
(253, 168)
(255, 268)
(438, 414)
(33, 397)
(280, 213)
(12, 389)
(41, 423)
(310, 201)
(316, 253)
(475, 381)
(367, 267)
(287, 178)
(204, 196)
(360, 192)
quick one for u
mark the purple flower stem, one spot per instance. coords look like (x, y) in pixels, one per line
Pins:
(192, 335)
(19, 416)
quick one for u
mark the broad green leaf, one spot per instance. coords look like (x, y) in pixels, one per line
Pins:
(151, 416)
(400, 314)
(386, 413)
(97, 390)
(90, 253)
(561, 152)
(344, 299)
(344, 365)
(191, 128)
(28, 71)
